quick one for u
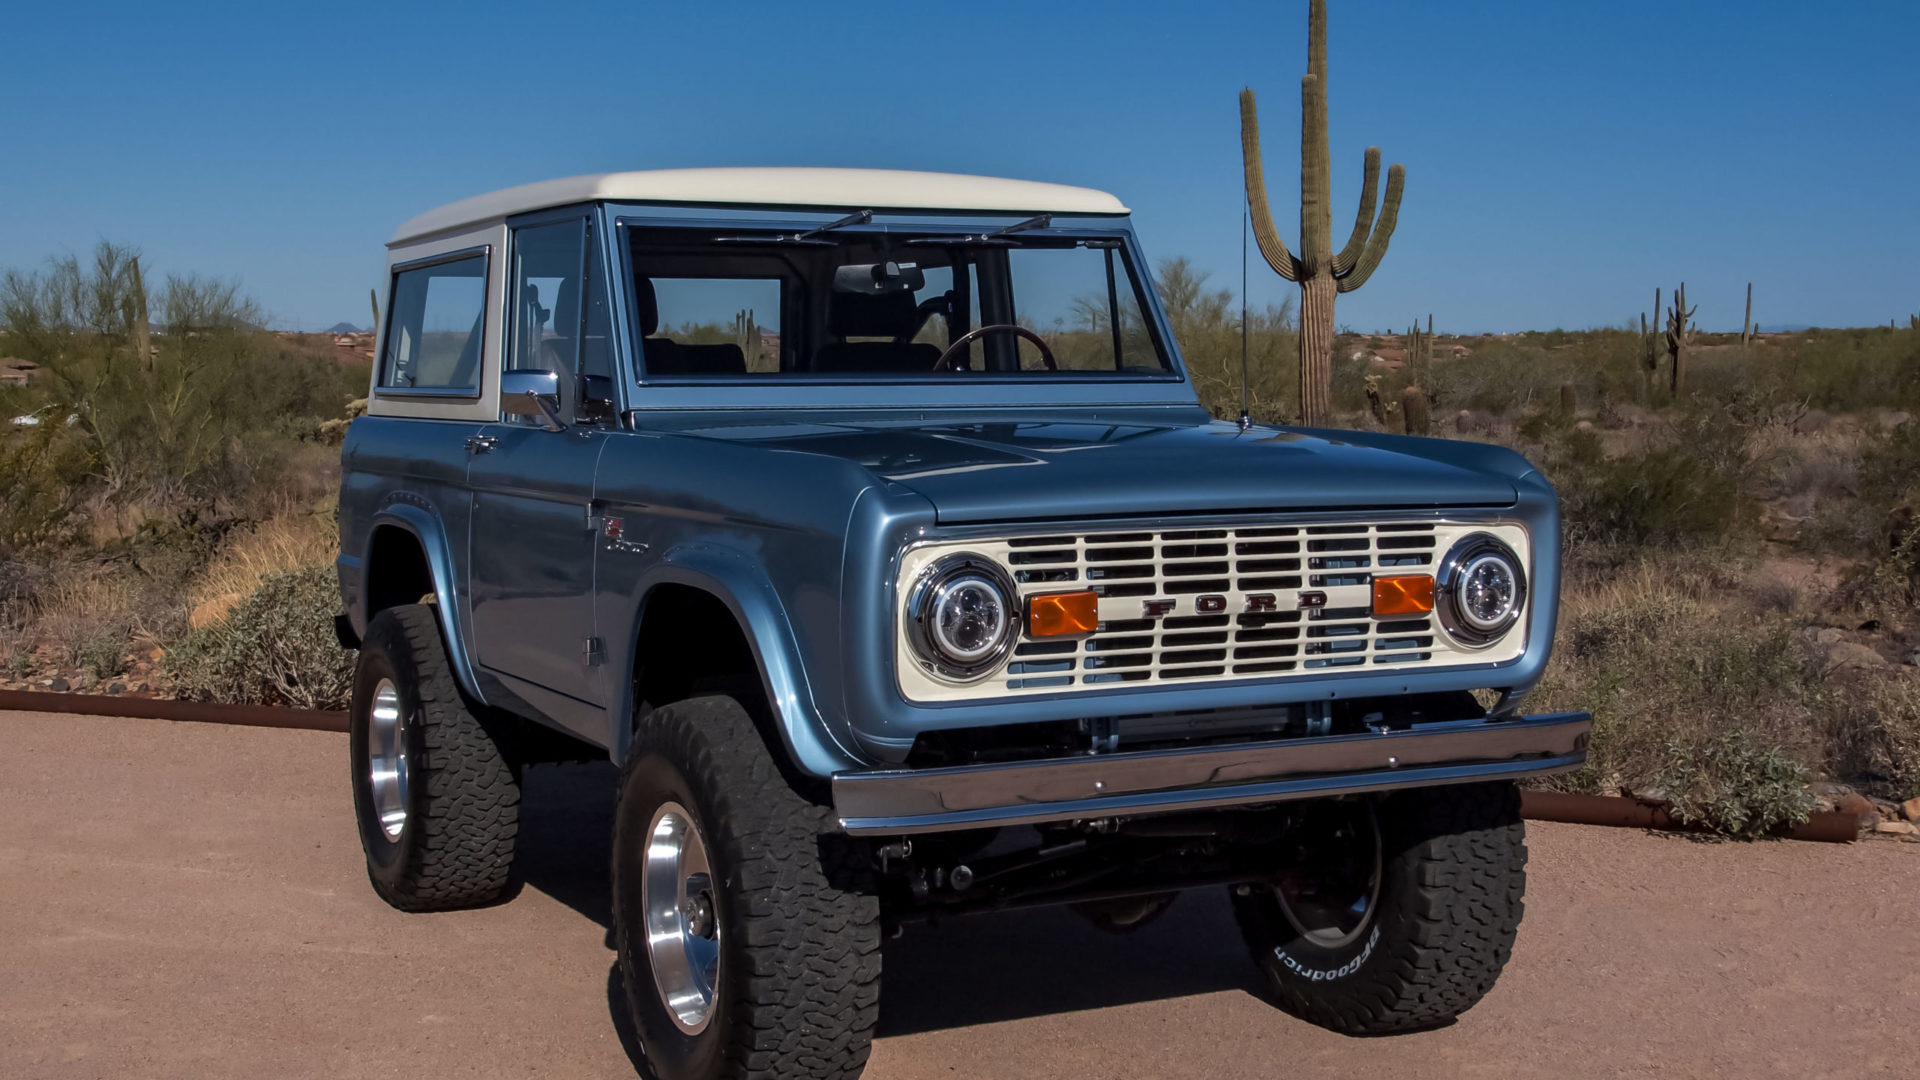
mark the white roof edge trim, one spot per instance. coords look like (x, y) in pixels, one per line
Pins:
(852, 189)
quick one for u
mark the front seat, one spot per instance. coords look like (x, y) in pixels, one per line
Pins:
(665, 356)
(890, 315)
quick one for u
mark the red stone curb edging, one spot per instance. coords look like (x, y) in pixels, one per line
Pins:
(1828, 826)
(160, 709)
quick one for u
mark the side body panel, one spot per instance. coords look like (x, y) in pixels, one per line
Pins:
(531, 566)
(409, 475)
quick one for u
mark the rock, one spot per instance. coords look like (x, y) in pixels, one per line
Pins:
(58, 686)
(212, 611)
(1897, 828)
(1910, 809)
(1912, 659)
(84, 681)
(117, 688)
(1847, 654)
(1859, 807)
(1829, 635)
(154, 654)
(142, 688)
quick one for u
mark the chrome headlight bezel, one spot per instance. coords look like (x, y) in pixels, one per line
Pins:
(936, 583)
(1469, 554)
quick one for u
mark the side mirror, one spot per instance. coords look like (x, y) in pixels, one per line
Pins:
(532, 393)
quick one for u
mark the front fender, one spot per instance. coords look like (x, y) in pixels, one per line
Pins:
(739, 582)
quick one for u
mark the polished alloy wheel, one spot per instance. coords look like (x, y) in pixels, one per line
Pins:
(683, 930)
(387, 759)
(1330, 892)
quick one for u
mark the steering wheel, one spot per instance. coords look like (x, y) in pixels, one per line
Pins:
(968, 338)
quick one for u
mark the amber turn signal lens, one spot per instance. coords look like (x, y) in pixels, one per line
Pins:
(1410, 595)
(1067, 613)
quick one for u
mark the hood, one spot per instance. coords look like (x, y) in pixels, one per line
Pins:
(1023, 470)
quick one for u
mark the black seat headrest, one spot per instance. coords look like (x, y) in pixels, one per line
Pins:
(888, 315)
(646, 307)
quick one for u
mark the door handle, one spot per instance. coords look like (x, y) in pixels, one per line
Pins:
(480, 444)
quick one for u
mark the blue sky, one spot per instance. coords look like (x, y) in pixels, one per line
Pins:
(1563, 159)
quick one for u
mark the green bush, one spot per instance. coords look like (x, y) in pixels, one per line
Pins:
(1679, 496)
(277, 647)
(1735, 784)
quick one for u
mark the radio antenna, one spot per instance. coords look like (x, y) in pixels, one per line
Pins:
(1246, 419)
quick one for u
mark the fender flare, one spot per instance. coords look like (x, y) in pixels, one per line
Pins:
(739, 583)
(424, 525)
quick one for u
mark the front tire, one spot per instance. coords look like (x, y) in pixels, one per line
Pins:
(747, 929)
(436, 796)
(1398, 914)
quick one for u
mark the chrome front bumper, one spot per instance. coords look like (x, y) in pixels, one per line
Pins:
(900, 801)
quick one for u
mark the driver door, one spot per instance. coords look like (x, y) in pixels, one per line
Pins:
(531, 550)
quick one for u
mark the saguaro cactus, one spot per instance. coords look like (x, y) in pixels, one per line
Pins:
(1746, 324)
(1320, 271)
(747, 333)
(140, 320)
(1679, 336)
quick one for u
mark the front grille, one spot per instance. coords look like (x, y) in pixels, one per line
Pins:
(1215, 604)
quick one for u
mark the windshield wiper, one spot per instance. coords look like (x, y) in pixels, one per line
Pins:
(809, 238)
(996, 238)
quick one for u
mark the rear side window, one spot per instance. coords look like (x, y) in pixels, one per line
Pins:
(436, 326)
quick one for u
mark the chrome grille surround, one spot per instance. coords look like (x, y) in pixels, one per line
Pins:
(1252, 600)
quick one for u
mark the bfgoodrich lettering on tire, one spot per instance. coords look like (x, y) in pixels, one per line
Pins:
(748, 931)
(1395, 914)
(437, 799)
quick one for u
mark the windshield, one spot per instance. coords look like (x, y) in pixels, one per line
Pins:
(847, 302)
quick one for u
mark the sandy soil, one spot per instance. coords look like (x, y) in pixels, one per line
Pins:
(182, 900)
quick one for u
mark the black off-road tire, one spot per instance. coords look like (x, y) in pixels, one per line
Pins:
(798, 987)
(455, 849)
(1452, 874)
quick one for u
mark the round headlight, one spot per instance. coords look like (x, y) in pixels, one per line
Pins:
(1479, 591)
(962, 617)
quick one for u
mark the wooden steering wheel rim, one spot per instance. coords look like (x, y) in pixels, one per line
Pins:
(970, 336)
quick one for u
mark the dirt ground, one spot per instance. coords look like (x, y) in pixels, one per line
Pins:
(184, 900)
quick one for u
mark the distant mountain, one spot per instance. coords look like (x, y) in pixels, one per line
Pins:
(345, 328)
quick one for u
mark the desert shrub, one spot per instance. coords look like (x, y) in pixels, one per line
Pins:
(1660, 496)
(87, 613)
(1735, 783)
(1649, 651)
(276, 647)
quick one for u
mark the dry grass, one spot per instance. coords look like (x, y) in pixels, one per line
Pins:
(294, 538)
(88, 614)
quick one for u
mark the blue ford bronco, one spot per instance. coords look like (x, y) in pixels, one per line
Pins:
(870, 522)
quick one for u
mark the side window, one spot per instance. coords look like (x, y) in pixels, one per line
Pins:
(545, 325)
(435, 326)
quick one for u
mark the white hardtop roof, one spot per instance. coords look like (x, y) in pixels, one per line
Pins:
(851, 189)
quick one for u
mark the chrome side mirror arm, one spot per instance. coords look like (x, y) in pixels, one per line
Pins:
(535, 394)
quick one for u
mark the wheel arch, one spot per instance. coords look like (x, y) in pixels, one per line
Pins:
(406, 549)
(703, 590)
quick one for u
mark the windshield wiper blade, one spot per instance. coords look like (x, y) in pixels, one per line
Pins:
(809, 238)
(1001, 237)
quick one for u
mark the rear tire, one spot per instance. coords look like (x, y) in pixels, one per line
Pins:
(747, 927)
(436, 796)
(1438, 925)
